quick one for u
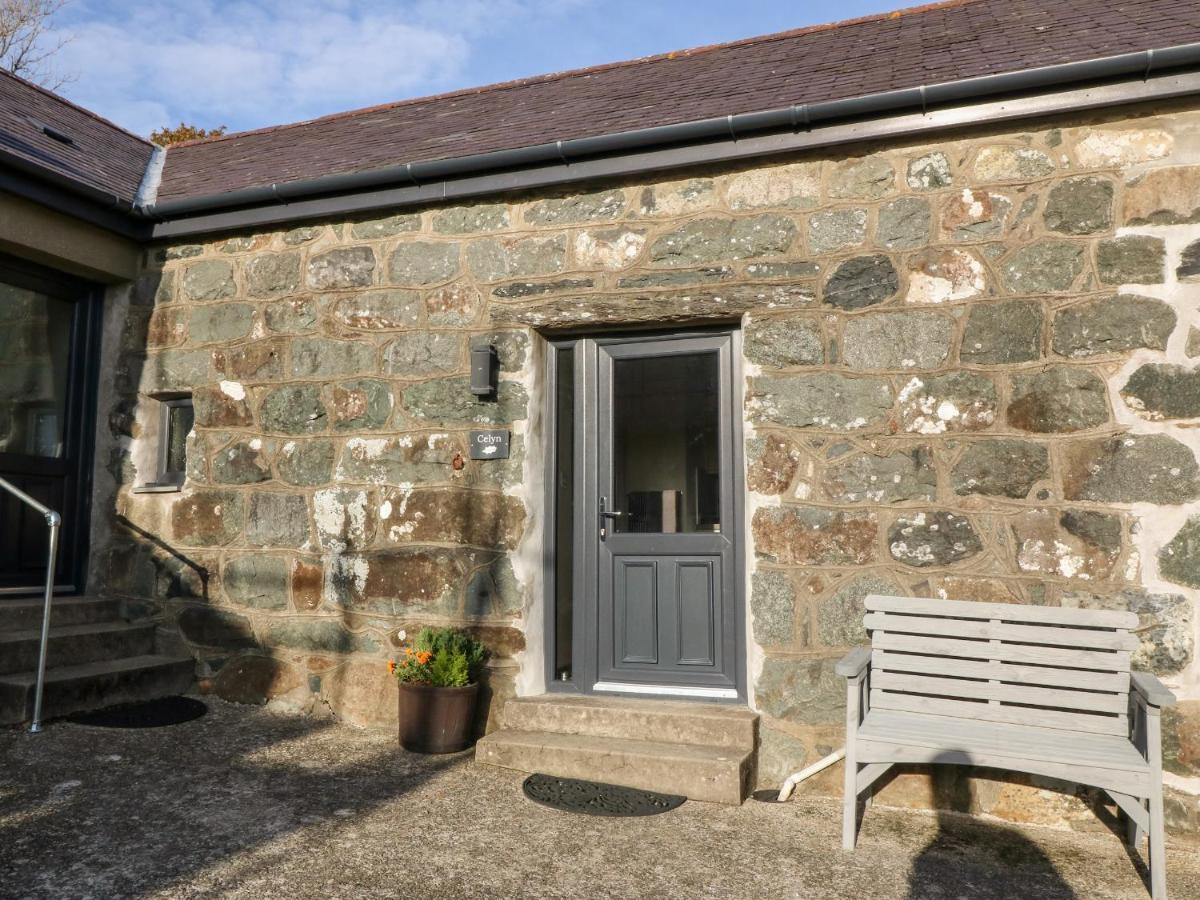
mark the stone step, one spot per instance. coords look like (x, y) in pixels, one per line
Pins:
(698, 772)
(93, 685)
(708, 724)
(25, 613)
(74, 645)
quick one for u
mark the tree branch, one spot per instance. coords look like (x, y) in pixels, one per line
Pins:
(24, 48)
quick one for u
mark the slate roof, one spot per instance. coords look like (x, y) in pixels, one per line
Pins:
(923, 45)
(101, 154)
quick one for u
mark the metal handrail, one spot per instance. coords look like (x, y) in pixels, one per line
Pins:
(53, 522)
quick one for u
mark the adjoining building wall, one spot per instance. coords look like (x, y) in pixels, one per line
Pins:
(41, 235)
(969, 373)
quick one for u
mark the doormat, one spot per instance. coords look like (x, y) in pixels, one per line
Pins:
(146, 714)
(770, 795)
(593, 799)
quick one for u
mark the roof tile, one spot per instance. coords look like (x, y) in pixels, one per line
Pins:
(101, 154)
(924, 45)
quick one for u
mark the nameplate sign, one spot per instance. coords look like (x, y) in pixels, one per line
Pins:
(489, 445)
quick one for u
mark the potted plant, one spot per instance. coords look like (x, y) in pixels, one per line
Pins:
(439, 686)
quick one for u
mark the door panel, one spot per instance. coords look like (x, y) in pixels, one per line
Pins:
(697, 583)
(636, 609)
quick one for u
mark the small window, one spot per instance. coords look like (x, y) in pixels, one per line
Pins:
(177, 417)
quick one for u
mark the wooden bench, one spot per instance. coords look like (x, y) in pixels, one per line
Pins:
(1042, 690)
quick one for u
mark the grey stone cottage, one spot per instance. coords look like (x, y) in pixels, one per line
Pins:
(646, 373)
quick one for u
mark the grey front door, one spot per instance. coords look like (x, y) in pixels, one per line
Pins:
(664, 525)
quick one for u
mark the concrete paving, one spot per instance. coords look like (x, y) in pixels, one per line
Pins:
(248, 803)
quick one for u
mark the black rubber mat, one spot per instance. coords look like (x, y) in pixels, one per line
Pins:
(771, 795)
(592, 799)
(148, 714)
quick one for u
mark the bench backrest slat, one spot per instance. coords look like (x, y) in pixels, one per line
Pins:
(1058, 668)
(1043, 635)
(1096, 660)
(1004, 612)
(1054, 698)
(998, 670)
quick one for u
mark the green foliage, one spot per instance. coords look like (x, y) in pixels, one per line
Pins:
(182, 133)
(450, 670)
(442, 657)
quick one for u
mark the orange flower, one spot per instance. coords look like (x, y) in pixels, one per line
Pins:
(423, 656)
(408, 651)
(391, 667)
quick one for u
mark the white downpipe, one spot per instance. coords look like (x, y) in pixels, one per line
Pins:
(818, 766)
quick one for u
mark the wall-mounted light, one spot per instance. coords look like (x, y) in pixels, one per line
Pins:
(485, 369)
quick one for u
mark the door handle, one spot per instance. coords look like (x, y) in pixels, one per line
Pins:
(605, 515)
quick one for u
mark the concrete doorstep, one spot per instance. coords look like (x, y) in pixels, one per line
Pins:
(250, 803)
(700, 751)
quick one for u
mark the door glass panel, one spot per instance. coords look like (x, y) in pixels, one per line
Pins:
(564, 511)
(666, 456)
(35, 333)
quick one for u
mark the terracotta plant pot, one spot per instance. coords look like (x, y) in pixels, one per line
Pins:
(437, 719)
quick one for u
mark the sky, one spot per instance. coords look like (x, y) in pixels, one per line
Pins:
(251, 63)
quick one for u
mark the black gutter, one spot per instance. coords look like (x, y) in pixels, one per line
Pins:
(99, 197)
(428, 181)
(791, 118)
(73, 197)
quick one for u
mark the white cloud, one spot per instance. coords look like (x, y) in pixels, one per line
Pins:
(246, 64)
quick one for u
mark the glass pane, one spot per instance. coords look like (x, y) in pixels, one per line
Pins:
(666, 447)
(180, 417)
(564, 507)
(35, 333)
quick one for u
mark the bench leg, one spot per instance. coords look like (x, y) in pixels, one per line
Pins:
(850, 802)
(1158, 850)
(850, 784)
(1133, 834)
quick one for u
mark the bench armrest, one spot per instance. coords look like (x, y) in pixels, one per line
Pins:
(854, 663)
(1153, 691)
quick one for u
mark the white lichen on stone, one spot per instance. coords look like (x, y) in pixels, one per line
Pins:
(791, 185)
(973, 205)
(340, 517)
(1122, 148)
(954, 275)
(609, 249)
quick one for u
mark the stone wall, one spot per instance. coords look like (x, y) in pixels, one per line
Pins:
(968, 375)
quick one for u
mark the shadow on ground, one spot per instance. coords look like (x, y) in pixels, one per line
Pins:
(112, 812)
(247, 803)
(948, 866)
(966, 856)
